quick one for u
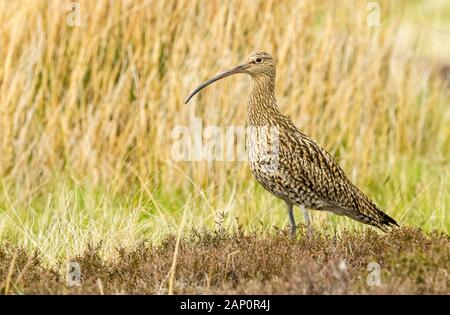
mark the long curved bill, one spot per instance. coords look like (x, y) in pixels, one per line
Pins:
(238, 69)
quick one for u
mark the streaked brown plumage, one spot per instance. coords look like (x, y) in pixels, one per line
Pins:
(288, 163)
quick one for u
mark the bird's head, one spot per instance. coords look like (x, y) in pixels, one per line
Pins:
(257, 65)
(260, 64)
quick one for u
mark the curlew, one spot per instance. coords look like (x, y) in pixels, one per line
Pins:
(288, 163)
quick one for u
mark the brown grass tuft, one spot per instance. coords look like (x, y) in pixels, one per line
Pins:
(235, 263)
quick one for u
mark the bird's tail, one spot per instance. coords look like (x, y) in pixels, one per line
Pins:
(369, 213)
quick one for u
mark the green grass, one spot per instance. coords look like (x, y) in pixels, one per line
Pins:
(61, 218)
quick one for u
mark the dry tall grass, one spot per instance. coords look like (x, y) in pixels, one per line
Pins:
(86, 114)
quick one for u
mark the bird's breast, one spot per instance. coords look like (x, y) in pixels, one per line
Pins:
(263, 147)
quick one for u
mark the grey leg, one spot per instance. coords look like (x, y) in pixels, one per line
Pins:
(307, 218)
(290, 209)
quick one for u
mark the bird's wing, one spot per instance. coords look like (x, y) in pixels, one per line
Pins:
(339, 196)
(308, 150)
(320, 175)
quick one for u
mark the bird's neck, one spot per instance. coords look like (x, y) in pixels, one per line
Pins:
(262, 104)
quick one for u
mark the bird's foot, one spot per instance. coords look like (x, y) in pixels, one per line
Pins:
(309, 230)
(308, 224)
(293, 231)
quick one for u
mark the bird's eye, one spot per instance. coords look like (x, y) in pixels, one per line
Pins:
(258, 60)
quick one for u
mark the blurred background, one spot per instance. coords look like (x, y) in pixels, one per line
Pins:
(90, 92)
